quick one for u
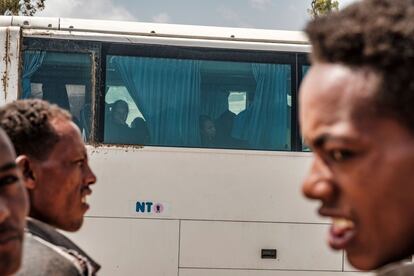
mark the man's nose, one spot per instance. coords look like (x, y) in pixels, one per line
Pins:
(4, 210)
(90, 177)
(319, 183)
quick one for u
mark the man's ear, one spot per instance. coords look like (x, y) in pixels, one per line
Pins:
(25, 164)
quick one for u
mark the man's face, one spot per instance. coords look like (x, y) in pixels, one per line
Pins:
(13, 209)
(363, 166)
(120, 112)
(62, 181)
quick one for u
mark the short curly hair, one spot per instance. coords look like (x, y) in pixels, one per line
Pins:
(28, 124)
(378, 35)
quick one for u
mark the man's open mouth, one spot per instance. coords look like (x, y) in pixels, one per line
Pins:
(341, 233)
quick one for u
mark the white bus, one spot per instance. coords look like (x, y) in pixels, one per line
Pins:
(193, 135)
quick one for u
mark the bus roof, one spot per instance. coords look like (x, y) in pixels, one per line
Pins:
(154, 29)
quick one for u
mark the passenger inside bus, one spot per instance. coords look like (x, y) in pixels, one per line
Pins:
(225, 132)
(116, 128)
(239, 130)
(207, 132)
(224, 124)
(140, 131)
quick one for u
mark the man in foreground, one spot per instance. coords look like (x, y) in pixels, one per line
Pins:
(13, 208)
(58, 178)
(357, 115)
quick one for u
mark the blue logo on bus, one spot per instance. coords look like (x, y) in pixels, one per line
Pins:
(149, 207)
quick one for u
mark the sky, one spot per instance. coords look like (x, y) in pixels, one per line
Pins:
(260, 14)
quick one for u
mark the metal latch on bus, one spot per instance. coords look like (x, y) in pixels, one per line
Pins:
(269, 253)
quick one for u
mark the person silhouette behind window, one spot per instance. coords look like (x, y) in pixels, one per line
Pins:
(116, 128)
(207, 131)
(224, 125)
(140, 130)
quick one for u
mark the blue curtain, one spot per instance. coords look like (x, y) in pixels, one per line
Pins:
(167, 92)
(214, 101)
(264, 124)
(32, 61)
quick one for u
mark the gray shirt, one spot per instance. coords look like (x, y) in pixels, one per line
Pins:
(48, 252)
(397, 270)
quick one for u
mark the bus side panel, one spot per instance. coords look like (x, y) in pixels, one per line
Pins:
(200, 184)
(237, 272)
(238, 245)
(131, 246)
(9, 63)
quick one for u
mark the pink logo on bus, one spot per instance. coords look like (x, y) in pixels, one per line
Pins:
(158, 208)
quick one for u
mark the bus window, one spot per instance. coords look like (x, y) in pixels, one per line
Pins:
(63, 79)
(198, 103)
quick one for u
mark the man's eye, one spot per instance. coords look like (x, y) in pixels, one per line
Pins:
(79, 163)
(8, 180)
(341, 155)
